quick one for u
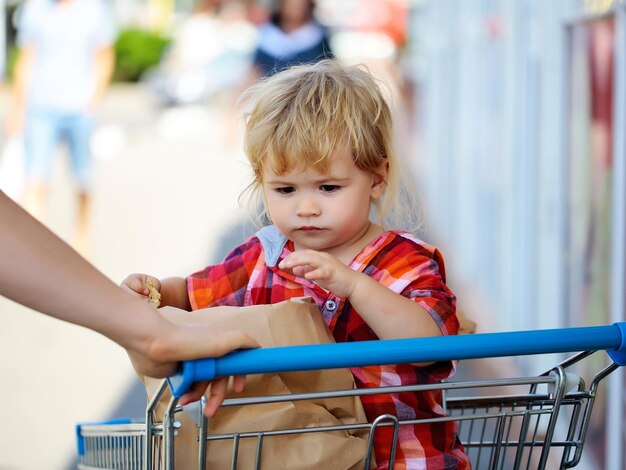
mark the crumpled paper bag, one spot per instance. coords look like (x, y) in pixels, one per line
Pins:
(289, 323)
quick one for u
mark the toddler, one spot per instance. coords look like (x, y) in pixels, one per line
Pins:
(318, 138)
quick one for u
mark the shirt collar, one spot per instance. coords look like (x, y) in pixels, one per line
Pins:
(273, 243)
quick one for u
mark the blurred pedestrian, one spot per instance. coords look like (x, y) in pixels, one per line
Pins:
(64, 65)
(291, 36)
(209, 55)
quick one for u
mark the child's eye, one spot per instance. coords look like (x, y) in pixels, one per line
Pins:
(329, 188)
(285, 190)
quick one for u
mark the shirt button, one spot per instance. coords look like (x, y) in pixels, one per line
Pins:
(331, 305)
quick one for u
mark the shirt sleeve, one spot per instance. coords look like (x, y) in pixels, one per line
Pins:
(225, 283)
(429, 290)
(416, 270)
(105, 27)
(28, 22)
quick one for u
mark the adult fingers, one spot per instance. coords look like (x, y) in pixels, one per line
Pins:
(239, 383)
(195, 393)
(223, 342)
(216, 396)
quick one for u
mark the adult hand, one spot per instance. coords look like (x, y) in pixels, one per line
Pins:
(77, 292)
(174, 342)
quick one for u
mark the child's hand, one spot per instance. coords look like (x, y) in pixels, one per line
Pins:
(143, 286)
(324, 269)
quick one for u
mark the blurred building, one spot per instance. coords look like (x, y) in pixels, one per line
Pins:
(521, 120)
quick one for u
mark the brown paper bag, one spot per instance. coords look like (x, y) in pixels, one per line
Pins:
(287, 323)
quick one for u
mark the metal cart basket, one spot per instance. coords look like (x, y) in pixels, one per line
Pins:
(516, 422)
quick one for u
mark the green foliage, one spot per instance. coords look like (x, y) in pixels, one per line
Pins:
(11, 59)
(137, 50)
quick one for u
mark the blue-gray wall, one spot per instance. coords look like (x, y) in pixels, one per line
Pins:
(493, 159)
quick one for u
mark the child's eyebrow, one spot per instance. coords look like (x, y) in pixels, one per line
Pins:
(325, 178)
(332, 179)
(278, 182)
(316, 182)
(319, 181)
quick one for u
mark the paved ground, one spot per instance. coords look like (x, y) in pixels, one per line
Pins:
(166, 204)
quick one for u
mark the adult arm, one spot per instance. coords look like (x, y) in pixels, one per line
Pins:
(40, 271)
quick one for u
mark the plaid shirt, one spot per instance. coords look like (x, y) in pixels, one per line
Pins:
(249, 276)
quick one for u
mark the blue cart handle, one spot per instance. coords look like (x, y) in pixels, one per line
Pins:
(402, 351)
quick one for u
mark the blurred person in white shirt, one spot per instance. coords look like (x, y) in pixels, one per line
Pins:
(64, 66)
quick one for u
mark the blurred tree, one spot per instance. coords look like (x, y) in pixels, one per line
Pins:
(136, 51)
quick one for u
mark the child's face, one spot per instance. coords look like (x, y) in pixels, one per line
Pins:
(323, 212)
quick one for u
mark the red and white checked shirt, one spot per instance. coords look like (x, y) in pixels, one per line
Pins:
(249, 276)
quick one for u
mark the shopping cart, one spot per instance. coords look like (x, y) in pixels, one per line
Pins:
(517, 422)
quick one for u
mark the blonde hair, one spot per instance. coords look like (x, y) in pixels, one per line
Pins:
(300, 116)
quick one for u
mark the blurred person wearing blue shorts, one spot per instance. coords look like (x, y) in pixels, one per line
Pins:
(64, 66)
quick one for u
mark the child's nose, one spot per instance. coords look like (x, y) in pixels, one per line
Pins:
(308, 208)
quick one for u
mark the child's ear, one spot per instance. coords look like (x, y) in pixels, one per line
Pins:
(379, 181)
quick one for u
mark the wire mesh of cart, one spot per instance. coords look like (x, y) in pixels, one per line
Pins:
(504, 423)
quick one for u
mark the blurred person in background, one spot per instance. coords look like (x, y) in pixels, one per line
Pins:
(211, 51)
(64, 66)
(291, 36)
(375, 33)
(288, 35)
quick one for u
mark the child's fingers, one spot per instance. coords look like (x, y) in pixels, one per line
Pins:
(316, 274)
(135, 283)
(302, 270)
(151, 280)
(300, 258)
